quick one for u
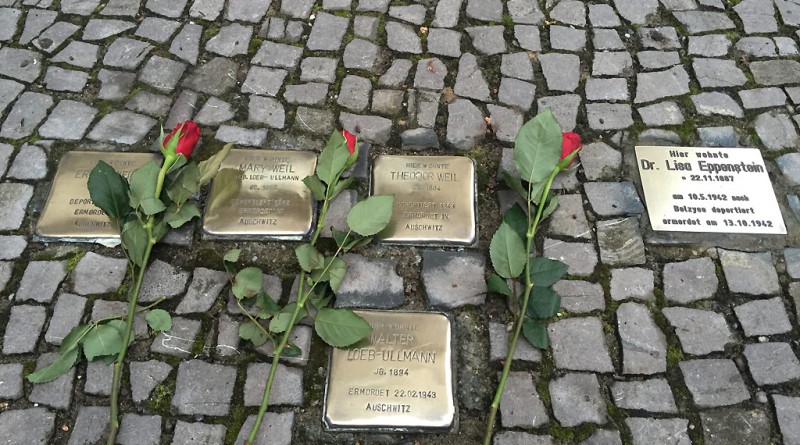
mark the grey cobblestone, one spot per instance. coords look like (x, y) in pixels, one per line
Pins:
(32, 426)
(91, 75)
(749, 273)
(57, 393)
(772, 363)
(67, 314)
(90, 425)
(521, 405)
(204, 388)
(700, 332)
(578, 344)
(652, 395)
(576, 399)
(453, 280)
(287, 389)
(714, 382)
(137, 429)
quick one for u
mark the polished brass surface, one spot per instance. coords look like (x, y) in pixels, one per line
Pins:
(723, 190)
(434, 198)
(399, 379)
(261, 194)
(68, 213)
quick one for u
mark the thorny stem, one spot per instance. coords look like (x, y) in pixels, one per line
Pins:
(301, 301)
(132, 299)
(512, 345)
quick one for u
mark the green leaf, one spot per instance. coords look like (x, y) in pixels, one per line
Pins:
(550, 207)
(334, 271)
(151, 206)
(333, 159)
(308, 257)
(316, 186)
(177, 217)
(227, 185)
(497, 284)
(74, 338)
(543, 303)
(56, 369)
(546, 272)
(292, 350)
(103, 340)
(536, 191)
(536, 333)
(143, 183)
(538, 147)
(507, 252)
(360, 241)
(371, 215)
(264, 301)
(119, 325)
(337, 271)
(109, 191)
(160, 230)
(280, 323)
(135, 240)
(340, 237)
(249, 331)
(340, 327)
(516, 185)
(248, 282)
(341, 186)
(185, 185)
(159, 320)
(518, 220)
(180, 161)
(232, 255)
(210, 167)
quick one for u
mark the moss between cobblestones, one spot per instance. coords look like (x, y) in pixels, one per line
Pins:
(234, 423)
(255, 44)
(73, 261)
(161, 398)
(618, 417)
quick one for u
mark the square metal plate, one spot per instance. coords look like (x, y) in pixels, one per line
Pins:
(398, 379)
(68, 213)
(721, 190)
(260, 193)
(435, 199)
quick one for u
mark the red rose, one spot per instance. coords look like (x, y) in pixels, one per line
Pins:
(569, 143)
(351, 140)
(188, 135)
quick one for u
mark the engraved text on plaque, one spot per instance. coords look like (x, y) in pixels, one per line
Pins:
(261, 194)
(399, 378)
(69, 214)
(434, 198)
(708, 190)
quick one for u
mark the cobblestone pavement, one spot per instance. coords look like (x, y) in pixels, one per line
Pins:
(664, 338)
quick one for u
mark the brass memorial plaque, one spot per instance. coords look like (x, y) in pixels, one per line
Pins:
(269, 199)
(69, 214)
(689, 189)
(398, 379)
(434, 198)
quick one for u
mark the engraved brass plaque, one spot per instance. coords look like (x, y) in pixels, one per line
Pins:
(434, 198)
(266, 198)
(399, 378)
(69, 214)
(723, 190)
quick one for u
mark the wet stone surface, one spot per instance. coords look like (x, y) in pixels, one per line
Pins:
(655, 342)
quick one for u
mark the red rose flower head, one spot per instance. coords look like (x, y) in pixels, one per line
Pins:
(188, 134)
(570, 142)
(351, 140)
